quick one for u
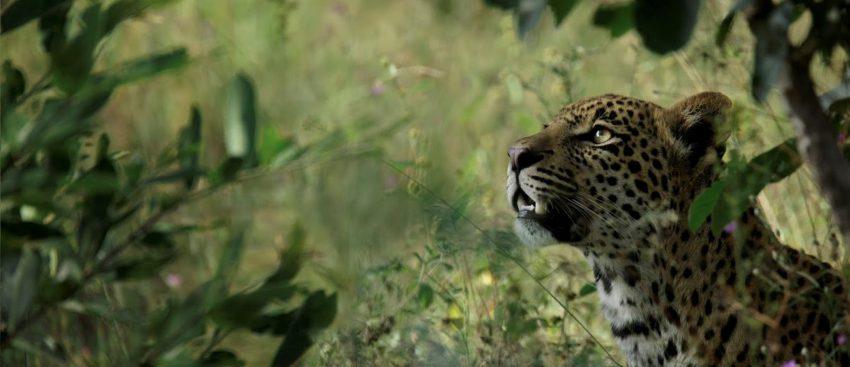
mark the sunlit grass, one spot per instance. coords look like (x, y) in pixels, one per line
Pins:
(464, 87)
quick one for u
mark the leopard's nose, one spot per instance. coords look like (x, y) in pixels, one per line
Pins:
(523, 157)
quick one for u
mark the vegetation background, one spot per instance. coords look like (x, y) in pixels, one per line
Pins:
(403, 111)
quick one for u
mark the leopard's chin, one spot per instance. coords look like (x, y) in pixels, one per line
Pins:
(544, 231)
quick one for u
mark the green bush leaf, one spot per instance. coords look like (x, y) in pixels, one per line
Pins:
(244, 310)
(71, 65)
(232, 254)
(425, 296)
(728, 198)
(665, 26)
(14, 84)
(502, 4)
(98, 187)
(724, 28)
(273, 145)
(52, 26)
(30, 231)
(24, 11)
(221, 358)
(227, 171)
(148, 66)
(586, 289)
(241, 122)
(839, 111)
(291, 257)
(23, 286)
(189, 146)
(143, 266)
(158, 240)
(181, 321)
(317, 313)
(561, 9)
(616, 18)
(704, 203)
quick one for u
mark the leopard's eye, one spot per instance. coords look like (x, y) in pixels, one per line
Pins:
(601, 134)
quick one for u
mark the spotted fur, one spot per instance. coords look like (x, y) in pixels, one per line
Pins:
(674, 297)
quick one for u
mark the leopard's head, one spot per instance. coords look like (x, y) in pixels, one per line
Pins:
(604, 163)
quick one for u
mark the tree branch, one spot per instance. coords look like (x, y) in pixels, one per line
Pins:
(817, 140)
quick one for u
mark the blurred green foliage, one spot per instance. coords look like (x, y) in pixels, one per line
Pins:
(363, 141)
(78, 217)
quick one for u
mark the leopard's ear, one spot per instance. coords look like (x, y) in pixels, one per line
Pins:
(693, 123)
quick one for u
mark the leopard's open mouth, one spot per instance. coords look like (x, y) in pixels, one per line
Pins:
(525, 206)
(563, 223)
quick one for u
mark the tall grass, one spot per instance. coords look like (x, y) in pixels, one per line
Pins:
(404, 207)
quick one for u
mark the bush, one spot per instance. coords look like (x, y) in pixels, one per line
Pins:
(81, 221)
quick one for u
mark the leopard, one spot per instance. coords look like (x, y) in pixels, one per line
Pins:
(614, 177)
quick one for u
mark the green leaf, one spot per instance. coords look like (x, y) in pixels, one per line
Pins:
(704, 203)
(143, 266)
(241, 124)
(14, 85)
(232, 254)
(179, 322)
(840, 110)
(23, 286)
(616, 18)
(71, 65)
(52, 26)
(180, 174)
(244, 310)
(502, 4)
(227, 171)
(52, 291)
(320, 309)
(24, 11)
(425, 296)
(30, 231)
(744, 182)
(148, 66)
(158, 240)
(561, 9)
(528, 14)
(724, 28)
(31, 350)
(189, 146)
(291, 257)
(98, 186)
(221, 358)
(272, 145)
(317, 313)
(291, 349)
(665, 26)
(772, 44)
(586, 289)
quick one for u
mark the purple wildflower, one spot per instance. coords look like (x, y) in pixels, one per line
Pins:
(377, 89)
(789, 363)
(731, 227)
(173, 280)
(841, 339)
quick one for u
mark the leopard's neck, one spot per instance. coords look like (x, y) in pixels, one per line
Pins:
(643, 288)
(637, 324)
